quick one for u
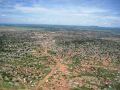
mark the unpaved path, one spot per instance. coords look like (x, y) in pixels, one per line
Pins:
(58, 65)
(46, 77)
(62, 68)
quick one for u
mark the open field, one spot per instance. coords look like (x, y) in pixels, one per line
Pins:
(59, 59)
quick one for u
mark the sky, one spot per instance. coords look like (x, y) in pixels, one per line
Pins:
(61, 12)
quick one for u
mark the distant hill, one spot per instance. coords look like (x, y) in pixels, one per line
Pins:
(63, 27)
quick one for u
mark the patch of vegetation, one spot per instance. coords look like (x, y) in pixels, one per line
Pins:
(51, 52)
(40, 88)
(8, 84)
(76, 60)
(100, 72)
(81, 88)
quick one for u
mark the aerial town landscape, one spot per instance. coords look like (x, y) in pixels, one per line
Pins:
(59, 44)
(59, 59)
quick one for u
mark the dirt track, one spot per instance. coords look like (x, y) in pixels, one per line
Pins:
(62, 68)
(57, 66)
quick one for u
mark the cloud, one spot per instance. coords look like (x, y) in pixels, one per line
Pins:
(1, 1)
(2, 15)
(36, 9)
(33, 9)
(77, 15)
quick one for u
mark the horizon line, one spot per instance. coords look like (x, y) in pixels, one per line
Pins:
(59, 25)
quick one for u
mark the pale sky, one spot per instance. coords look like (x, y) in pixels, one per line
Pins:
(61, 12)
